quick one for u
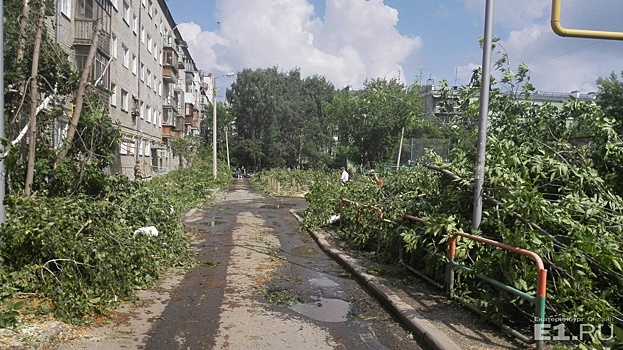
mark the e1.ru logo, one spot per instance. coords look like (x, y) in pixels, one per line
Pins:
(587, 331)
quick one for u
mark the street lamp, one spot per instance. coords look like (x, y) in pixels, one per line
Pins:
(214, 122)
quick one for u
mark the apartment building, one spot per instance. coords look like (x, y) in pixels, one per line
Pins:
(433, 100)
(144, 71)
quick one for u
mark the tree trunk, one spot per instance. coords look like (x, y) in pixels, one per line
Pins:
(30, 170)
(79, 98)
(21, 43)
(21, 88)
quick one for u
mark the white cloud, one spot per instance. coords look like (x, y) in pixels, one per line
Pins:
(557, 63)
(512, 14)
(561, 64)
(356, 39)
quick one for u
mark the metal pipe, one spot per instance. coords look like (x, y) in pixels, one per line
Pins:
(227, 145)
(483, 115)
(578, 33)
(2, 174)
(402, 135)
(214, 171)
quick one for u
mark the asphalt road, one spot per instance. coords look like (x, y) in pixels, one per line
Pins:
(264, 284)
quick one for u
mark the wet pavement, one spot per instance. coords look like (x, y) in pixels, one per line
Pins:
(265, 284)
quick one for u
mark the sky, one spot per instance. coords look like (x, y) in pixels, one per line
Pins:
(351, 41)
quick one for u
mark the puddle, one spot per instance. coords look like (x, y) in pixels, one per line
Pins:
(277, 205)
(213, 223)
(323, 282)
(324, 309)
(304, 250)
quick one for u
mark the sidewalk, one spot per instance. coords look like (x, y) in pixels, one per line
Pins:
(425, 311)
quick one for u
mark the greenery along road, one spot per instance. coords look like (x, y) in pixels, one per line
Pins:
(554, 181)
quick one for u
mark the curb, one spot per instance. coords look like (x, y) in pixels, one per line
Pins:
(420, 326)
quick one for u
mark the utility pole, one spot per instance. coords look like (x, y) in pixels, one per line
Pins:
(2, 177)
(483, 115)
(214, 171)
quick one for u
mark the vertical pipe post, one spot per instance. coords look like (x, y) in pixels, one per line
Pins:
(483, 115)
(540, 305)
(214, 128)
(2, 178)
(450, 265)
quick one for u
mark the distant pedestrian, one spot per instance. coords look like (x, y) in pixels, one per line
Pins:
(344, 175)
(137, 171)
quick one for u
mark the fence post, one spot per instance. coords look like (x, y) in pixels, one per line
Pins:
(450, 266)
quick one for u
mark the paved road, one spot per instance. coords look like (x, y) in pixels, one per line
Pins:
(271, 287)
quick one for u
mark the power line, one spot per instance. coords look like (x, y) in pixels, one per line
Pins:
(566, 53)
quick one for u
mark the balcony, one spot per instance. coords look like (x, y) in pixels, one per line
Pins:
(168, 132)
(170, 102)
(84, 35)
(190, 98)
(169, 42)
(179, 125)
(191, 120)
(169, 118)
(168, 74)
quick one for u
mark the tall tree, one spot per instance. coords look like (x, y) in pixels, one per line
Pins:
(272, 112)
(371, 120)
(30, 170)
(610, 98)
(80, 94)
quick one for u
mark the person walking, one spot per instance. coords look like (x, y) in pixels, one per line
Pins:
(344, 175)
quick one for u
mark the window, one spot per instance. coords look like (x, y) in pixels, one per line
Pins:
(113, 95)
(65, 7)
(168, 57)
(142, 72)
(148, 117)
(134, 64)
(126, 56)
(113, 46)
(148, 78)
(85, 9)
(150, 44)
(126, 13)
(123, 146)
(135, 24)
(156, 52)
(98, 68)
(160, 89)
(125, 100)
(142, 34)
(115, 4)
(149, 8)
(142, 110)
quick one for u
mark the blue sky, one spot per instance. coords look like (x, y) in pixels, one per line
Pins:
(349, 41)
